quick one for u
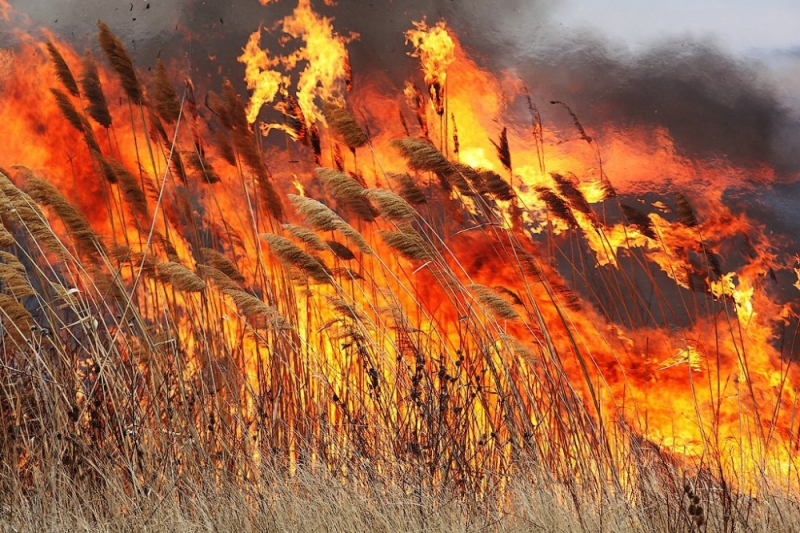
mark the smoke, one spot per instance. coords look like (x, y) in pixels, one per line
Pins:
(712, 104)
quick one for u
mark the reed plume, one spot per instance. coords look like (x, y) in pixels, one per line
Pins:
(686, 214)
(31, 217)
(503, 152)
(340, 250)
(423, 156)
(345, 126)
(165, 99)
(14, 276)
(291, 255)
(68, 110)
(348, 192)
(568, 191)
(224, 147)
(223, 281)
(181, 278)
(306, 236)
(106, 170)
(83, 235)
(200, 165)
(495, 185)
(222, 263)
(17, 321)
(321, 218)
(498, 305)
(408, 189)
(120, 61)
(131, 191)
(93, 91)
(253, 308)
(638, 220)
(391, 205)
(408, 242)
(557, 206)
(63, 72)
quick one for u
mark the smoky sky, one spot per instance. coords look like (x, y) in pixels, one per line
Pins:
(712, 103)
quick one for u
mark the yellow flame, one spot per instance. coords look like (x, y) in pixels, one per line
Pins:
(258, 73)
(326, 74)
(435, 49)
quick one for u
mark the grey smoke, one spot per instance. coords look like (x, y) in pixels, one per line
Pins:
(714, 105)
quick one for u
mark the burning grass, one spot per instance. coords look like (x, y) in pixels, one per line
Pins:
(443, 349)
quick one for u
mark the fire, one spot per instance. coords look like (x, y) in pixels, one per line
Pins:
(261, 79)
(326, 75)
(436, 51)
(435, 283)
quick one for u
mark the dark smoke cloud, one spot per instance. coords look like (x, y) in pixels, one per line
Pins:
(712, 104)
